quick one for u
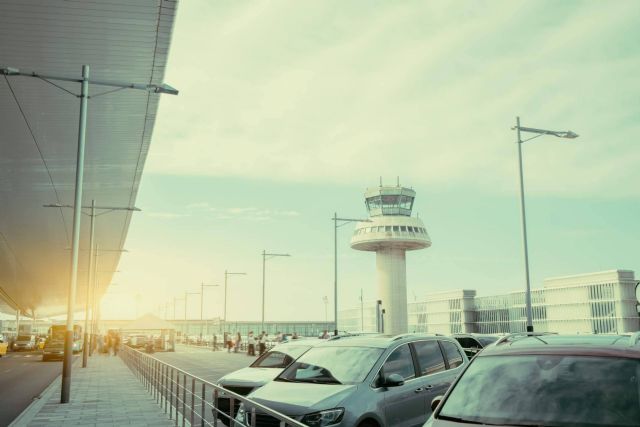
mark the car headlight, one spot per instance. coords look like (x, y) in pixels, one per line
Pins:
(323, 418)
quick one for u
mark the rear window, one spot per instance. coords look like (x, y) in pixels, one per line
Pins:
(451, 352)
(429, 357)
(560, 391)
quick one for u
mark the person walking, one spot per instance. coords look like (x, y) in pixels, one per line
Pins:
(279, 337)
(116, 344)
(325, 335)
(262, 343)
(238, 342)
(295, 336)
(251, 344)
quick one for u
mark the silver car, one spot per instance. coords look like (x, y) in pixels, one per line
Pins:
(260, 372)
(364, 382)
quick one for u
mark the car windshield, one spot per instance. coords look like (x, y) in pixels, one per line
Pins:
(23, 338)
(332, 365)
(547, 390)
(279, 358)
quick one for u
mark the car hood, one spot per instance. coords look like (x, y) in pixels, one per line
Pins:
(294, 399)
(250, 376)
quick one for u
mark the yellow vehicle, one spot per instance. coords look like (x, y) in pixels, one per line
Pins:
(41, 342)
(3, 347)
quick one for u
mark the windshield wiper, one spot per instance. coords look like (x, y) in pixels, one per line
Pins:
(315, 381)
(462, 420)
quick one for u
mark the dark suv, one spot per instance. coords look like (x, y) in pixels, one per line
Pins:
(534, 379)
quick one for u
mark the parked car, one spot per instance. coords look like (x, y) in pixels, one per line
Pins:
(24, 343)
(260, 372)
(473, 343)
(3, 346)
(536, 379)
(363, 381)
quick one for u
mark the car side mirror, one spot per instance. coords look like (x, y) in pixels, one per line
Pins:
(392, 380)
(435, 402)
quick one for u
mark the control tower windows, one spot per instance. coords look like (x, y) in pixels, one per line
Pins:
(389, 204)
(387, 228)
(403, 228)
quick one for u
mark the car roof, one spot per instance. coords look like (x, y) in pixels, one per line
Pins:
(578, 345)
(379, 341)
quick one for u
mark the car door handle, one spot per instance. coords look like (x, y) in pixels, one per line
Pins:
(419, 390)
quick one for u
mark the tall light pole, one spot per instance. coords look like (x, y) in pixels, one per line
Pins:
(325, 300)
(266, 256)
(202, 286)
(186, 294)
(65, 389)
(539, 132)
(344, 221)
(226, 276)
(90, 283)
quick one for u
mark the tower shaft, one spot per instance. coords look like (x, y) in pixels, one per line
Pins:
(392, 290)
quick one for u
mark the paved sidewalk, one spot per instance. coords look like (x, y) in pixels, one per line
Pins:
(106, 393)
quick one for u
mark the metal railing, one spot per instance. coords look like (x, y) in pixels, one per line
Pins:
(191, 400)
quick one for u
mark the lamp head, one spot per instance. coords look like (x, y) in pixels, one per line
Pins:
(569, 134)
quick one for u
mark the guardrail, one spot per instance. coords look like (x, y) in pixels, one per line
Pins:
(192, 400)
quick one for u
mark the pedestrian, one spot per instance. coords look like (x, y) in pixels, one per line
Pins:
(279, 337)
(325, 335)
(116, 344)
(238, 342)
(251, 344)
(229, 342)
(262, 343)
(109, 344)
(295, 336)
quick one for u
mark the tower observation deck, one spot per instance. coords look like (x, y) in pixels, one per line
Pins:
(390, 233)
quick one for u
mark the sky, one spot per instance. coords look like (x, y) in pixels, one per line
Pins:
(289, 110)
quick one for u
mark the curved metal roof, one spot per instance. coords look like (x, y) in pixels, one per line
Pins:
(121, 41)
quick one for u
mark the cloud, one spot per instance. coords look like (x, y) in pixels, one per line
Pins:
(250, 213)
(424, 90)
(166, 215)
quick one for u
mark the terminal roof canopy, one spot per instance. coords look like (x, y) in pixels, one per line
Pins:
(121, 40)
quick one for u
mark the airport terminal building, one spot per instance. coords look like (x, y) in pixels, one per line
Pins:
(602, 302)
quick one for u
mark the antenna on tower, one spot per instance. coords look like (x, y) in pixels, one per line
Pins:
(380, 180)
(398, 181)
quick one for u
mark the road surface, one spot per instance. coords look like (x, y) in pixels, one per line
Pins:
(23, 376)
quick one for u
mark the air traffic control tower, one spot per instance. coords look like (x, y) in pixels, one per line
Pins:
(391, 232)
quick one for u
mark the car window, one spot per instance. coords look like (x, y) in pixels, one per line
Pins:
(429, 357)
(273, 359)
(332, 365)
(485, 341)
(452, 354)
(400, 362)
(572, 390)
(467, 342)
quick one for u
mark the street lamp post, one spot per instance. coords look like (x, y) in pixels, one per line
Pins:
(65, 389)
(186, 294)
(266, 256)
(325, 300)
(202, 286)
(539, 132)
(345, 221)
(91, 278)
(226, 275)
